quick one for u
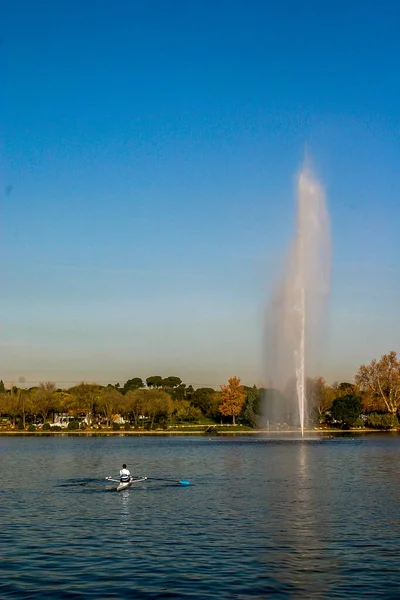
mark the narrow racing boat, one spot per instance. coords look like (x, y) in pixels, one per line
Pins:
(123, 485)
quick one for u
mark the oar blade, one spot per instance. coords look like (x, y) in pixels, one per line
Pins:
(184, 482)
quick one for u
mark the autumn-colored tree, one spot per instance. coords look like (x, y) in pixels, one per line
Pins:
(345, 388)
(158, 406)
(3, 403)
(233, 397)
(43, 399)
(134, 404)
(10, 403)
(380, 381)
(24, 404)
(320, 397)
(63, 401)
(109, 402)
(86, 396)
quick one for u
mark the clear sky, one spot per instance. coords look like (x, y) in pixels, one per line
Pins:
(149, 151)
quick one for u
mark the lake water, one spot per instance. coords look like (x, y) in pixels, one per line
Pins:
(262, 517)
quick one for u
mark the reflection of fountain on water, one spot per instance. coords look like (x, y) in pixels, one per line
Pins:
(297, 307)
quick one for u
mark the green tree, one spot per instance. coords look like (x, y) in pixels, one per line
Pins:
(189, 391)
(2, 388)
(251, 409)
(178, 392)
(132, 384)
(155, 381)
(202, 398)
(171, 382)
(183, 411)
(346, 409)
(233, 397)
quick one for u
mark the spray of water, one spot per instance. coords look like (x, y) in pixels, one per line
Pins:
(298, 306)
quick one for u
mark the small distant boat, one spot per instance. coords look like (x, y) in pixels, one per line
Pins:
(123, 485)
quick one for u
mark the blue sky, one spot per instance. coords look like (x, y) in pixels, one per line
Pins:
(152, 148)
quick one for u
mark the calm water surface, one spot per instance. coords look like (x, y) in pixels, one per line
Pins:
(262, 517)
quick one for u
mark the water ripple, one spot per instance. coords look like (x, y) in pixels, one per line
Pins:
(280, 518)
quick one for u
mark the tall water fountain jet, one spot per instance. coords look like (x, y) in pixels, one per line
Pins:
(297, 311)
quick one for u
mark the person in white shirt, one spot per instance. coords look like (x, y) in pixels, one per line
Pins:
(124, 475)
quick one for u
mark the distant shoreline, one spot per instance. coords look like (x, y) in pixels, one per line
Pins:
(195, 433)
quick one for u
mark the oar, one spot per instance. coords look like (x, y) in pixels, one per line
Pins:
(180, 482)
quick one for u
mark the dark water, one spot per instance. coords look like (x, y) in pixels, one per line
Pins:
(262, 517)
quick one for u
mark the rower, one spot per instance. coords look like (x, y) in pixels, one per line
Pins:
(124, 475)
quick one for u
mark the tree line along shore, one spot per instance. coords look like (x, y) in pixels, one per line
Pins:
(372, 400)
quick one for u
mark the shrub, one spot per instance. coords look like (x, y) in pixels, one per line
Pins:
(389, 421)
(56, 428)
(116, 426)
(127, 426)
(32, 427)
(74, 425)
(385, 421)
(46, 427)
(373, 420)
(358, 422)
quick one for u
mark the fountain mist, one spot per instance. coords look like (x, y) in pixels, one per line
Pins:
(297, 309)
